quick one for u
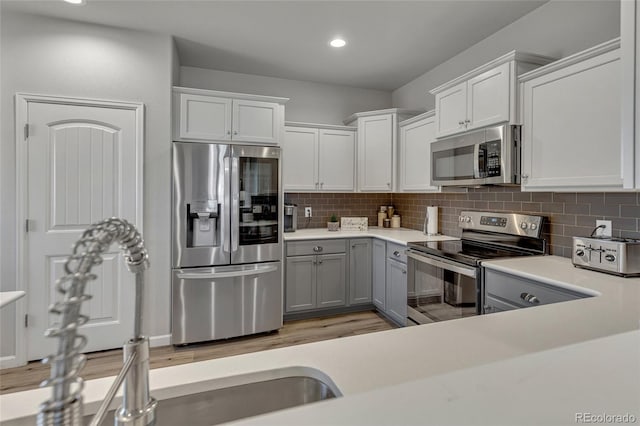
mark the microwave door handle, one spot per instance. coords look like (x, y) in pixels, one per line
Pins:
(235, 207)
(476, 161)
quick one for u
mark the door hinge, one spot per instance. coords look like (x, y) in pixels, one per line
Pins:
(26, 131)
(26, 320)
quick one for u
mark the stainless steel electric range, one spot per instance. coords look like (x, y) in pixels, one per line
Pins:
(444, 277)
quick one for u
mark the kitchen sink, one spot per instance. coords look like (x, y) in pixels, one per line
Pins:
(255, 395)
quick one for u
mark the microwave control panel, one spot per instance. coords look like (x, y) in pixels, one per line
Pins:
(493, 155)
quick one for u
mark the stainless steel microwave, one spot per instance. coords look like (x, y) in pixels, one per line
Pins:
(489, 156)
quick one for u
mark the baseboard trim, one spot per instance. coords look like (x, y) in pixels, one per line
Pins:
(162, 340)
(10, 361)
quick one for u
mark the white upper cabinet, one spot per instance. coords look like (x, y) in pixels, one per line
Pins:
(483, 96)
(300, 159)
(337, 160)
(377, 148)
(571, 131)
(414, 170)
(630, 57)
(375, 152)
(206, 115)
(318, 157)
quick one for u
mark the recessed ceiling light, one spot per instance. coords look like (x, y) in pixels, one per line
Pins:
(338, 42)
(78, 2)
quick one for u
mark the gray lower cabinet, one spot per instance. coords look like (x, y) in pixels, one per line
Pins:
(503, 292)
(316, 275)
(379, 272)
(330, 280)
(396, 297)
(359, 271)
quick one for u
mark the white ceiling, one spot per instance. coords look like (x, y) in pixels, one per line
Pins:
(389, 42)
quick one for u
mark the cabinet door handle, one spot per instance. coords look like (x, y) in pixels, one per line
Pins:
(525, 176)
(487, 308)
(321, 185)
(396, 253)
(235, 132)
(228, 132)
(320, 262)
(460, 123)
(404, 272)
(467, 121)
(389, 184)
(529, 298)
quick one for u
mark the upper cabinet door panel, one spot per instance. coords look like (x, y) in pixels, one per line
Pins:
(204, 117)
(300, 161)
(571, 128)
(451, 110)
(375, 153)
(255, 121)
(488, 97)
(415, 155)
(337, 157)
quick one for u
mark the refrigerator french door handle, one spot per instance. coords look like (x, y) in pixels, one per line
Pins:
(226, 243)
(235, 204)
(229, 274)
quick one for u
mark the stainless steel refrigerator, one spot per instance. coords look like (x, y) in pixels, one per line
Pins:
(226, 241)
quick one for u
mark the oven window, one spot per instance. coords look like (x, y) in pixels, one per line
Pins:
(436, 294)
(453, 164)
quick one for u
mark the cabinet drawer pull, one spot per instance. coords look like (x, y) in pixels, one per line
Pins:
(317, 249)
(396, 253)
(529, 298)
(320, 262)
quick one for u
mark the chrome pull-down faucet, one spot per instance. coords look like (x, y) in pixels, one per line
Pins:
(65, 406)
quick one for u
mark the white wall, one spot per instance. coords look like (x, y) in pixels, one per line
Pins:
(55, 57)
(309, 102)
(557, 29)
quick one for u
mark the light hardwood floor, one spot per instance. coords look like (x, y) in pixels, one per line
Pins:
(108, 363)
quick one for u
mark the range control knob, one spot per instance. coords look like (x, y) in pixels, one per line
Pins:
(533, 226)
(580, 252)
(467, 219)
(460, 218)
(524, 225)
(610, 258)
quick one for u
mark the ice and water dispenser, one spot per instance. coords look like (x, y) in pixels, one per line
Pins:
(202, 225)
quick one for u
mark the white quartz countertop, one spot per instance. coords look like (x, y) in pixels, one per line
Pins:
(395, 235)
(396, 364)
(7, 297)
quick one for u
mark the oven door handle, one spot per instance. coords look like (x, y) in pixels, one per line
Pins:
(463, 270)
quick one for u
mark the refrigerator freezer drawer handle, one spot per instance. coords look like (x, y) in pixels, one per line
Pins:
(201, 276)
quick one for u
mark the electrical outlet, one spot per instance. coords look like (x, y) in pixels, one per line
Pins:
(603, 232)
(307, 212)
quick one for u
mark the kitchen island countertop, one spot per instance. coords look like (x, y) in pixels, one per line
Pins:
(374, 368)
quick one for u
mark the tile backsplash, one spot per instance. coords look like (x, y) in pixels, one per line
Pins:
(568, 214)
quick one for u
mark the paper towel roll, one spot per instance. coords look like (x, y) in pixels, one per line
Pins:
(432, 220)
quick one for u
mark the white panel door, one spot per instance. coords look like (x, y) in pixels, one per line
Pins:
(337, 160)
(82, 168)
(488, 97)
(375, 152)
(300, 159)
(415, 155)
(205, 117)
(255, 121)
(451, 110)
(571, 129)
